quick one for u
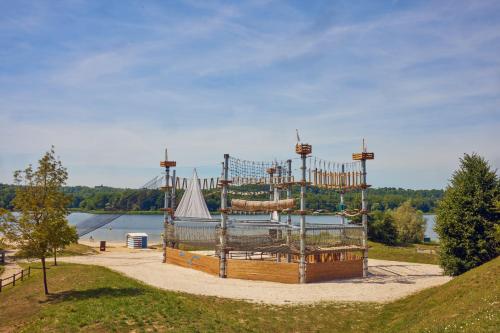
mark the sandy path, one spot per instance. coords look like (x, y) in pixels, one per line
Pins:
(389, 280)
(11, 267)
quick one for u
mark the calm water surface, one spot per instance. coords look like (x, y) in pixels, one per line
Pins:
(153, 225)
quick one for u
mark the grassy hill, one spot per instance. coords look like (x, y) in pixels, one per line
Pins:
(91, 298)
(468, 303)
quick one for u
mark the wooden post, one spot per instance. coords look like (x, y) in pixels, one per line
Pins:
(342, 208)
(174, 183)
(277, 188)
(364, 218)
(223, 221)
(289, 215)
(271, 188)
(363, 156)
(303, 150)
(167, 203)
(302, 263)
(13, 280)
(165, 214)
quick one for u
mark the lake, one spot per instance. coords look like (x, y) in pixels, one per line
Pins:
(153, 225)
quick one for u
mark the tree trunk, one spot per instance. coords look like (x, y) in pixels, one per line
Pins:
(46, 289)
(55, 257)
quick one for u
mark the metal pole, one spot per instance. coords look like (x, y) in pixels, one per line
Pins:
(302, 264)
(165, 214)
(276, 194)
(342, 207)
(174, 185)
(167, 204)
(223, 221)
(364, 209)
(342, 194)
(271, 190)
(289, 215)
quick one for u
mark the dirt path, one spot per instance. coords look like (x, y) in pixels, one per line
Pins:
(389, 280)
(11, 267)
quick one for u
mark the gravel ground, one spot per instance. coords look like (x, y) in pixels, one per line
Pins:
(388, 280)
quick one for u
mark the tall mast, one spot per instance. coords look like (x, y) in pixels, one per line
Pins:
(167, 208)
(303, 150)
(223, 211)
(363, 157)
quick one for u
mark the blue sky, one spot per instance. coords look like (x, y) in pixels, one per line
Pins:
(111, 83)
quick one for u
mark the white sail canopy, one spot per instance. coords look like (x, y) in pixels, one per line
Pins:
(192, 203)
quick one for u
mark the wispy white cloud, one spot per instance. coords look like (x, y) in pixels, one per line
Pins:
(207, 79)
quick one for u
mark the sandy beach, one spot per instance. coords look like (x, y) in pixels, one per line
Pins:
(388, 280)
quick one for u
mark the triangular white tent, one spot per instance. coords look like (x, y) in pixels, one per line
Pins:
(192, 203)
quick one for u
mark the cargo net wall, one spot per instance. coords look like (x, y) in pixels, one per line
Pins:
(323, 237)
(243, 172)
(249, 237)
(266, 238)
(194, 233)
(286, 240)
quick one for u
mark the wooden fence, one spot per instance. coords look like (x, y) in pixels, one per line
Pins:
(11, 280)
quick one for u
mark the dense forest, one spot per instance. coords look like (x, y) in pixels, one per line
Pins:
(117, 199)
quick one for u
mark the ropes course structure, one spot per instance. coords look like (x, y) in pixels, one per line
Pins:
(334, 175)
(181, 183)
(272, 249)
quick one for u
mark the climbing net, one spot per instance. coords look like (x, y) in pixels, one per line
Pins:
(243, 172)
(259, 236)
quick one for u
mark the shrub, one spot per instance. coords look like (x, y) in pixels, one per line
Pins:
(381, 228)
(410, 223)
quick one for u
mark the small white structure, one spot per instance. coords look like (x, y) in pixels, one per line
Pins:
(137, 240)
(192, 203)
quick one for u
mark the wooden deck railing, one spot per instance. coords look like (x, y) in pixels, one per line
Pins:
(11, 280)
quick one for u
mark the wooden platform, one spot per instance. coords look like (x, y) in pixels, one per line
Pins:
(327, 271)
(263, 270)
(266, 270)
(196, 261)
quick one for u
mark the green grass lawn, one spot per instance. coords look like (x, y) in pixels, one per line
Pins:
(91, 298)
(76, 250)
(407, 253)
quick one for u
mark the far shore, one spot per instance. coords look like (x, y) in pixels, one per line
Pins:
(159, 212)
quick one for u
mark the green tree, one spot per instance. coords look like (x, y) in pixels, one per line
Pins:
(61, 234)
(467, 219)
(42, 207)
(381, 228)
(410, 223)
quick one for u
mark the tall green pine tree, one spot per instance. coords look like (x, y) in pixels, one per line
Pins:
(467, 218)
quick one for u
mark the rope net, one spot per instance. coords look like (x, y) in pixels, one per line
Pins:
(243, 172)
(95, 222)
(265, 237)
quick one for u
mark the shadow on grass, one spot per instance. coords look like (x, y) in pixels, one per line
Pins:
(73, 295)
